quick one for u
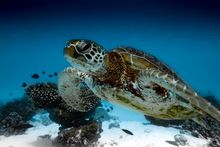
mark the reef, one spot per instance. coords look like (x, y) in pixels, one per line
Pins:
(23, 106)
(200, 132)
(14, 116)
(82, 136)
(77, 128)
(13, 124)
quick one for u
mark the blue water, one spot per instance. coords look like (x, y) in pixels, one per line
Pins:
(183, 34)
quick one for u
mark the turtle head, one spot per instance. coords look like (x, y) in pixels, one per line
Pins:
(84, 55)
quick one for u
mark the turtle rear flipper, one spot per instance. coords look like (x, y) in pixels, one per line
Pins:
(199, 104)
(75, 92)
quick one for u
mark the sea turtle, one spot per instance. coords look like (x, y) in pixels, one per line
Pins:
(131, 78)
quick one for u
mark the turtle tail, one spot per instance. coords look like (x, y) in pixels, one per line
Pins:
(180, 88)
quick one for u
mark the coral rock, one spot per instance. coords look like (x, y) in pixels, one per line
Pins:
(44, 95)
(85, 135)
(13, 125)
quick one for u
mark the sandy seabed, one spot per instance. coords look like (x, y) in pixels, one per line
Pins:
(143, 136)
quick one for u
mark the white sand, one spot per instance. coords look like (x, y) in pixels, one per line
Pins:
(29, 139)
(144, 136)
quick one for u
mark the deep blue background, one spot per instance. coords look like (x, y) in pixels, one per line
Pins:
(184, 34)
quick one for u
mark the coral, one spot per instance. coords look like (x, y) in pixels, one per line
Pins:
(14, 116)
(68, 119)
(85, 135)
(22, 106)
(44, 95)
(13, 124)
(198, 131)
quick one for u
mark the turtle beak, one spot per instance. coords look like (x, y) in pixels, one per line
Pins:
(72, 56)
(69, 51)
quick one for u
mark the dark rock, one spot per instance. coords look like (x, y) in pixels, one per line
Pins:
(180, 139)
(172, 143)
(13, 124)
(127, 131)
(43, 141)
(44, 137)
(35, 76)
(114, 125)
(81, 136)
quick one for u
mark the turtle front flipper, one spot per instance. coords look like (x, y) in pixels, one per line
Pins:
(176, 86)
(75, 92)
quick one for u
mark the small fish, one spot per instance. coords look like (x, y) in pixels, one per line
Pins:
(50, 75)
(55, 74)
(127, 131)
(43, 72)
(24, 85)
(35, 76)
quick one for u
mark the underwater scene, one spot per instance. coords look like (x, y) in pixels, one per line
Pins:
(114, 73)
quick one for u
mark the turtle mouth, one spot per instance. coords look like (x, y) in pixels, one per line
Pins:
(77, 63)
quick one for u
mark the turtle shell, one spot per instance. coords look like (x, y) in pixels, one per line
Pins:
(140, 60)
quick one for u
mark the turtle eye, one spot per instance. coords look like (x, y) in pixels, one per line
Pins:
(84, 47)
